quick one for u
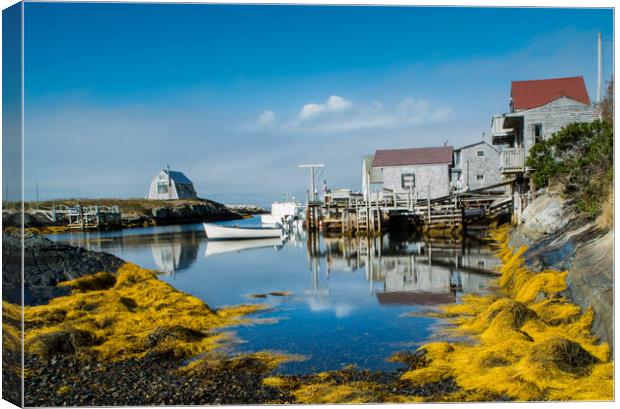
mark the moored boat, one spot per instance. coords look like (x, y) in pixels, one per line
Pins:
(220, 232)
(282, 212)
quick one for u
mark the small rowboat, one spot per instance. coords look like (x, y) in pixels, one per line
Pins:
(218, 232)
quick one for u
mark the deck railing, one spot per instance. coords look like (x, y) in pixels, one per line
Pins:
(512, 160)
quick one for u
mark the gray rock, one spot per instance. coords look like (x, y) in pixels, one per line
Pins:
(46, 263)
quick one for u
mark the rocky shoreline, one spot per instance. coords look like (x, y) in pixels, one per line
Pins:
(68, 373)
(559, 238)
(73, 373)
(136, 213)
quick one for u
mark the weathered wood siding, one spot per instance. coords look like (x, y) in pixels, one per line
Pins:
(554, 116)
(472, 165)
(171, 195)
(435, 175)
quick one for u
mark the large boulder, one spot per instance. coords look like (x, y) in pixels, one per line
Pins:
(46, 263)
(545, 215)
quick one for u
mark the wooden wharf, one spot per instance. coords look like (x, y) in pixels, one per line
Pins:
(357, 216)
(83, 217)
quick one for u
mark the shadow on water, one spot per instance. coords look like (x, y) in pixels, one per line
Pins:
(337, 301)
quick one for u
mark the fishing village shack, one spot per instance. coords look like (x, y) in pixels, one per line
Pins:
(418, 172)
(475, 166)
(538, 109)
(171, 185)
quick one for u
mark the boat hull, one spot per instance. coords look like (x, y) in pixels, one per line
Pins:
(270, 219)
(217, 232)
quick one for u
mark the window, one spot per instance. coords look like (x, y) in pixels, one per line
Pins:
(538, 133)
(480, 153)
(407, 180)
(162, 187)
(479, 177)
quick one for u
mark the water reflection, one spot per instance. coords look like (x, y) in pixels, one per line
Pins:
(410, 271)
(216, 247)
(173, 248)
(350, 299)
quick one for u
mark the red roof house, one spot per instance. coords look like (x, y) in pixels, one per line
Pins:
(535, 93)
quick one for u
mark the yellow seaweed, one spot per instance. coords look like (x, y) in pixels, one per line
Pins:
(127, 315)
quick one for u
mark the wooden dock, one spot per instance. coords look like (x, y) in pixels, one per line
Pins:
(356, 216)
(83, 217)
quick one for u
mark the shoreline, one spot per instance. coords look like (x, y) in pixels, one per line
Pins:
(428, 373)
(134, 213)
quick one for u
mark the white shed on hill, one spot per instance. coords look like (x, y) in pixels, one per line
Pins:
(171, 185)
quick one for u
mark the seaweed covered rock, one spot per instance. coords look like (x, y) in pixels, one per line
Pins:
(133, 316)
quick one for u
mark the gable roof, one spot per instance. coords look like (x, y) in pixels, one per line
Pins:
(178, 177)
(475, 144)
(416, 156)
(535, 93)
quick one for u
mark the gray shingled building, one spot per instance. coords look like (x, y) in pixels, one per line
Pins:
(171, 185)
(419, 171)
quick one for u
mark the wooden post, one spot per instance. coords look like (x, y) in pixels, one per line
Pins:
(428, 204)
(81, 215)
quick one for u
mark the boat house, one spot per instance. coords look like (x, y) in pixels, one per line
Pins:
(171, 185)
(538, 109)
(475, 166)
(419, 172)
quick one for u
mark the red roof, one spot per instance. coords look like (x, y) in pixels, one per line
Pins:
(532, 94)
(415, 298)
(417, 156)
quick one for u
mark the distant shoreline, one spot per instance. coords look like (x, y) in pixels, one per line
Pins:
(134, 213)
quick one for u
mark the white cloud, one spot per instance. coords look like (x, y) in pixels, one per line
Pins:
(338, 114)
(266, 118)
(334, 104)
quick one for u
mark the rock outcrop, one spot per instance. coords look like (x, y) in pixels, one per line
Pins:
(559, 238)
(46, 263)
(247, 209)
(190, 213)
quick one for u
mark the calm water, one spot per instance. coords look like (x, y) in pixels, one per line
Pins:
(349, 297)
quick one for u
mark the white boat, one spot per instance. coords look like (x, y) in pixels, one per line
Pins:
(215, 247)
(220, 232)
(270, 219)
(282, 212)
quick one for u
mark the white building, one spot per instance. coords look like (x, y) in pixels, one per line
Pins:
(171, 185)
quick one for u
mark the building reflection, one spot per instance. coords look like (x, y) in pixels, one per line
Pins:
(173, 248)
(408, 271)
(175, 252)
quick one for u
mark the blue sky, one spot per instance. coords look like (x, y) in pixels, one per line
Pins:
(237, 96)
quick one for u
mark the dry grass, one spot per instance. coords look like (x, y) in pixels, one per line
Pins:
(129, 206)
(606, 219)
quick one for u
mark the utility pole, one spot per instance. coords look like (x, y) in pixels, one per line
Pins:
(313, 172)
(599, 81)
(169, 182)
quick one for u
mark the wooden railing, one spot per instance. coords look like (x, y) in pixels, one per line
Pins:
(512, 160)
